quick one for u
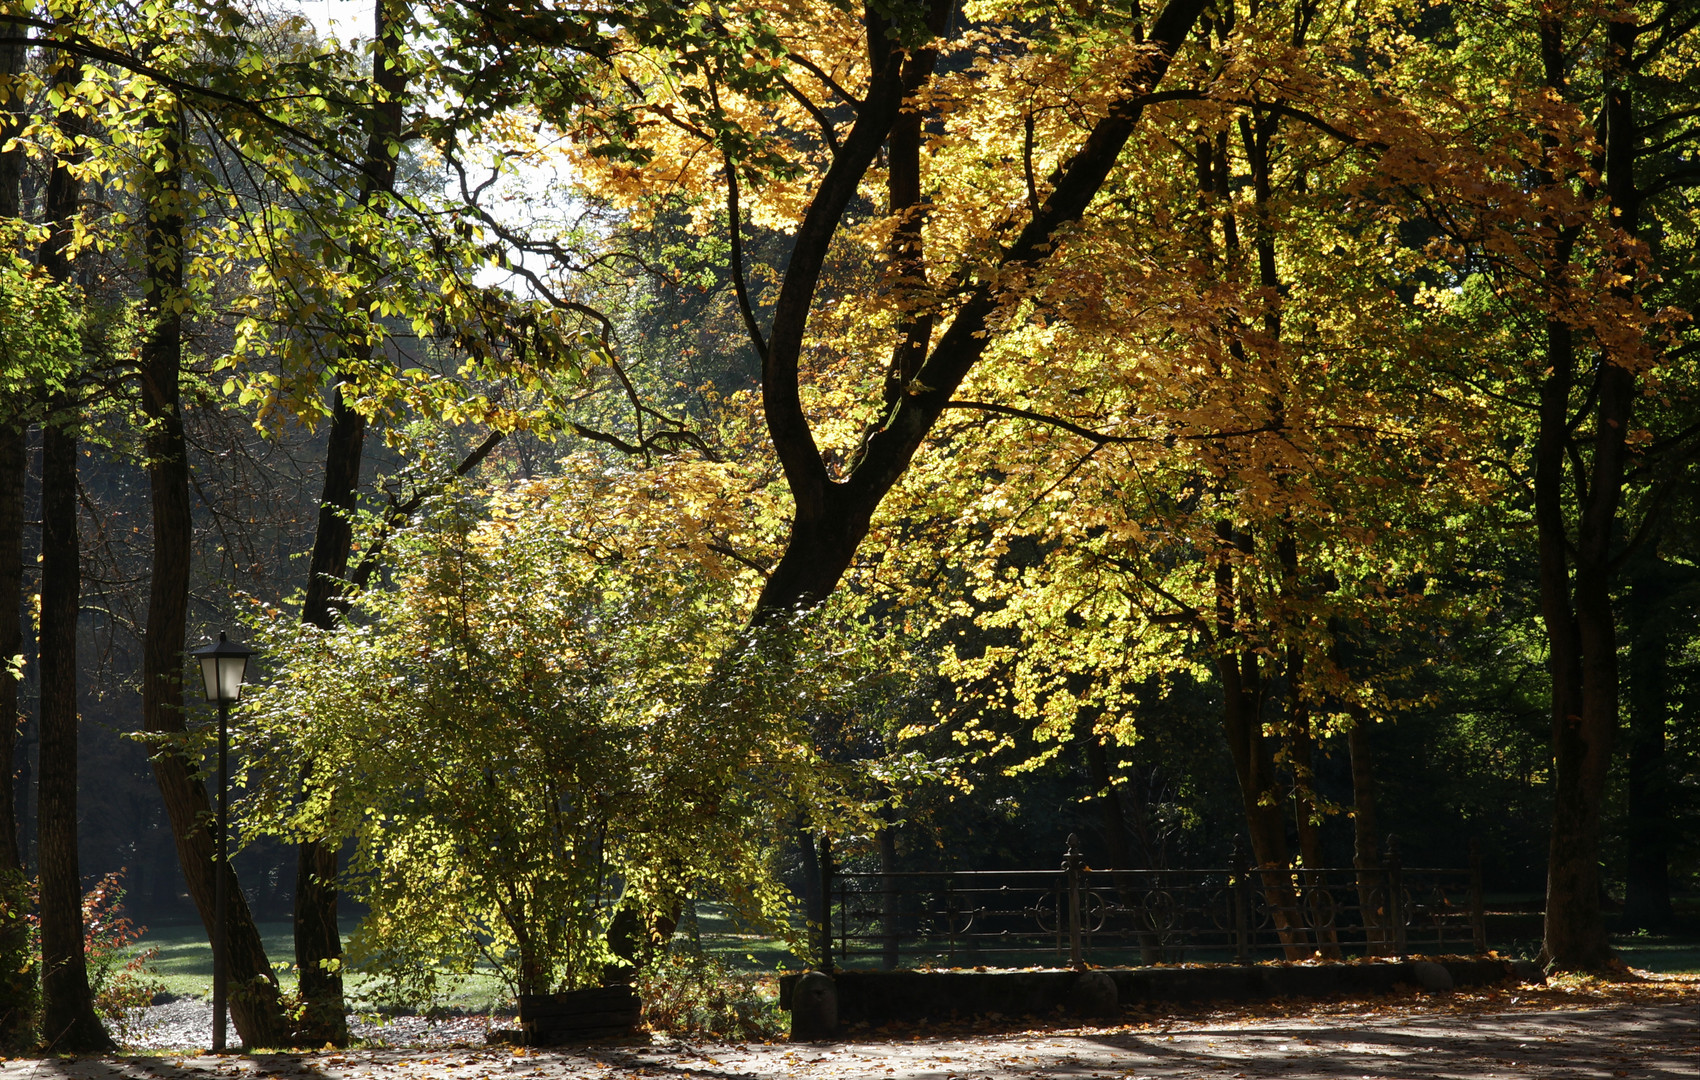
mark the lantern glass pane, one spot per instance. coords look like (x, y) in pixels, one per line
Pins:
(230, 669)
(209, 677)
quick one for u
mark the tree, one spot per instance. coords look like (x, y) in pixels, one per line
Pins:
(68, 1017)
(522, 737)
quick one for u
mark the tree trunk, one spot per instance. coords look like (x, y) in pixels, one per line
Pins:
(1576, 606)
(69, 1022)
(889, 897)
(831, 516)
(1318, 900)
(1647, 878)
(255, 1007)
(318, 940)
(1254, 762)
(1116, 837)
(13, 424)
(17, 966)
(1366, 856)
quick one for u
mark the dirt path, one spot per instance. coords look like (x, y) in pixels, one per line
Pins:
(1625, 1039)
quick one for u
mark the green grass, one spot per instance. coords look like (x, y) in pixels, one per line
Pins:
(1674, 955)
(184, 962)
(184, 965)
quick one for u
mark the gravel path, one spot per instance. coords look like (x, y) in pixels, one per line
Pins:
(188, 1022)
(1641, 1041)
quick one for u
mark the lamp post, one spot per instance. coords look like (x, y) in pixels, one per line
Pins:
(222, 668)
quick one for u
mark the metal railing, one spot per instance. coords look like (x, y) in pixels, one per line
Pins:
(1075, 915)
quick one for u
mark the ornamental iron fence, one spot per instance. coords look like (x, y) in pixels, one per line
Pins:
(1076, 915)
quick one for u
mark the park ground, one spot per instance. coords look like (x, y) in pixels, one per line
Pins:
(1641, 1026)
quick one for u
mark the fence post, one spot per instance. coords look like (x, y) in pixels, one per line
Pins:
(1072, 862)
(950, 916)
(1478, 912)
(1396, 895)
(826, 903)
(1242, 902)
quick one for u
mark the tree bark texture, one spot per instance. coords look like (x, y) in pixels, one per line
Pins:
(255, 1004)
(831, 516)
(13, 422)
(68, 1021)
(318, 940)
(17, 966)
(1366, 855)
(1576, 600)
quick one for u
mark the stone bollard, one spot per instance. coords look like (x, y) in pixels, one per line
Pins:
(814, 1007)
(1093, 996)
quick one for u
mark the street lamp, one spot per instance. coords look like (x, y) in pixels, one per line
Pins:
(222, 667)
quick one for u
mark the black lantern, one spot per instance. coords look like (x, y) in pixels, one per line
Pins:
(223, 667)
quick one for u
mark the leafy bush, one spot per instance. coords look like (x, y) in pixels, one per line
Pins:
(551, 716)
(691, 992)
(20, 963)
(121, 976)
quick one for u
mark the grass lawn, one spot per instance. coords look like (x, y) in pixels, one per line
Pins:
(184, 965)
(184, 962)
(1675, 955)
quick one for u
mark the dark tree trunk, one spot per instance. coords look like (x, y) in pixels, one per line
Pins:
(831, 515)
(17, 975)
(256, 1009)
(12, 462)
(1576, 601)
(17, 971)
(889, 898)
(1108, 800)
(1648, 617)
(13, 421)
(1366, 855)
(1116, 834)
(68, 1017)
(1319, 906)
(318, 940)
(1254, 759)
(69, 1022)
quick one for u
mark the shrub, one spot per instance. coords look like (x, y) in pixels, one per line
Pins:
(691, 992)
(121, 976)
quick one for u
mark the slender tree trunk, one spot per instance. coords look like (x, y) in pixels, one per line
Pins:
(318, 940)
(1647, 902)
(1116, 835)
(1366, 855)
(13, 421)
(1318, 900)
(255, 1006)
(17, 968)
(1577, 607)
(889, 897)
(1254, 761)
(68, 1017)
(1107, 800)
